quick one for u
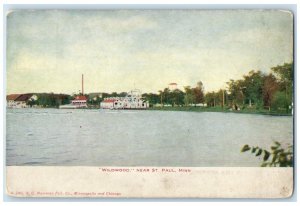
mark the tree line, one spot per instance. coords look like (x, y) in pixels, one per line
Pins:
(50, 100)
(273, 91)
(255, 90)
(190, 96)
(54, 100)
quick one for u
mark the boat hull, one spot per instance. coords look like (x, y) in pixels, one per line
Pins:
(69, 106)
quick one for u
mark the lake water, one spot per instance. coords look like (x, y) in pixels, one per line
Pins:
(139, 138)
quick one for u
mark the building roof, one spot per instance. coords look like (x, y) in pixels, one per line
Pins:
(12, 96)
(23, 97)
(109, 100)
(81, 97)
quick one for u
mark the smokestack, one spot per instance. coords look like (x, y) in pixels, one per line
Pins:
(82, 84)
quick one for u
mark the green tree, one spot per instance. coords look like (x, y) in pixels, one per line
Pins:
(253, 83)
(189, 97)
(114, 94)
(285, 73)
(277, 157)
(213, 99)
(151, 98)
(237, 92)
(66, 99)
(219, 97)
(210, 99)
(161, 97)
(198, 93)
(177, 97)
(166, 96)
(285, 76)
(43, 100)
(279, 101)
(270, 86)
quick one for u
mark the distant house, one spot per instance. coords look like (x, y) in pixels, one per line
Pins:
(172, 86)
(10, 100)
(79, 101)
(108, 103)
(20, 100)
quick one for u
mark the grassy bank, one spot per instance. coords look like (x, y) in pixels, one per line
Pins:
(220, 109)
(205, 109)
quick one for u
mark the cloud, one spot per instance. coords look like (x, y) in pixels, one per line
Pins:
(114, 25)
(117, 50)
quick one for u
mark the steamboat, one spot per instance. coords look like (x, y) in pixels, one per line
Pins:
(133, 100)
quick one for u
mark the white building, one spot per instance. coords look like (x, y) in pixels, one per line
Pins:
(10, 100)
(133, 100)
(108, 103)
(172, 86)
(20, 100)
(79, 101)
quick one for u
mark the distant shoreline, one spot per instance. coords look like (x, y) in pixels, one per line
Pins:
(188, 109)
(219, 109)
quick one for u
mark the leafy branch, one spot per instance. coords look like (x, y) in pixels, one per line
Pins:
(277, 157)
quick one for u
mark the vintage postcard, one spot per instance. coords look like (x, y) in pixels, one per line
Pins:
(149, 103)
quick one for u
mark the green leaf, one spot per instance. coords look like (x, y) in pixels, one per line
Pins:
(274, 147)
(274, 158)
(253, 149)
(277, 143)
(265, 164)
(278, 151)
(245, 148)
(259, 152)
(267, 155)
(282, 158)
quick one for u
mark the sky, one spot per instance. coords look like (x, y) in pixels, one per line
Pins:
(121, 50)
